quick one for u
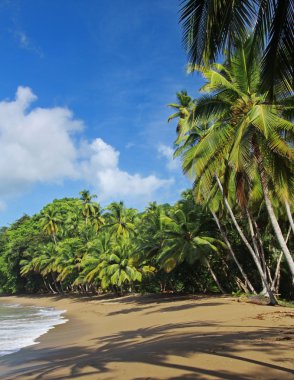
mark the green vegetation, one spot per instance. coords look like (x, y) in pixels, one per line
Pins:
(166, 248)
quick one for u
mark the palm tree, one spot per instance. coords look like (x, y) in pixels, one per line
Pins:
(184, 241)
(91, 260)
(195, 131)
(50, 222)
(184, 112)
(212, 27)
(42, 262)
(69, 258)
(120, 220)
(88, 207)
(119, 267)
(245, 130)
(97, 220)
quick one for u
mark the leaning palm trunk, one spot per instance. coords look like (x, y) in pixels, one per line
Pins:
(214, 276)
(289, 215)
(258, 248)
(262, 255)
(226, 240)
(272, 298)
(276, 280)
(271, 212)
(258, 251)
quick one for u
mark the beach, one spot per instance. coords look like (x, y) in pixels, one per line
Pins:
(157, 337)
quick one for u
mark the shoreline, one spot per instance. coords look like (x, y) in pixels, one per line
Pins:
(156, 337)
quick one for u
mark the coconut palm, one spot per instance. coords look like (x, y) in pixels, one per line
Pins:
(91, 260)
(212, 27)
(120, 220)
(195, 131)
(120, 267)
(184, 241)
(42, 262)
(97, 220)
(244, 129)
(184, 112)
(88, 206)
(69, 257)
(50, 222)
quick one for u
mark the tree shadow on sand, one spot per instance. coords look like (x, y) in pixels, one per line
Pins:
(152, 346)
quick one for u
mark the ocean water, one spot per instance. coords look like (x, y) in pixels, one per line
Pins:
(21, 326)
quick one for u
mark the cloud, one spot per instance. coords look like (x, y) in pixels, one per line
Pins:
(26, 43)
(101, 168)
(167, 152)
(39, 145)
(36, 145)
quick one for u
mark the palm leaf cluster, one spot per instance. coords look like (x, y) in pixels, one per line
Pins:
(212, 28)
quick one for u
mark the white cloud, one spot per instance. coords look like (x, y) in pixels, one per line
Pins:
(101, 168)
(167, 152)
(37, 146)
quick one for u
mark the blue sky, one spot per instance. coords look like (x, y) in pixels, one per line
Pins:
(83, 101)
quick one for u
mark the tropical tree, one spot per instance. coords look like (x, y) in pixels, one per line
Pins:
(119, 220)
(244, 138)
(246, 130)
(91, 260)
(97, 220)
(89, 208)
(50, 222)
(120, 268)
(184, 111)
(194, 132)
(211, 28)
(184, 241)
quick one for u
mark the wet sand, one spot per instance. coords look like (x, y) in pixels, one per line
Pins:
(157, 337)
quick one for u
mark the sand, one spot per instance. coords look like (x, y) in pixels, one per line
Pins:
(164, 337)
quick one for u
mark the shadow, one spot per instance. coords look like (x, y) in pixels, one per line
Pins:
(127, 311)
(186, 307)
(153, 346)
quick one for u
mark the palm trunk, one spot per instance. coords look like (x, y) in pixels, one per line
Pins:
(226, 240)
(276, 280)
(258, 247)
(277, 274)
(288, 209)
(271, 212)
(262, 255)
(254, 240)
(53, 274)
(272, 298)
(51, 288)
(214, 277)
(45, 283)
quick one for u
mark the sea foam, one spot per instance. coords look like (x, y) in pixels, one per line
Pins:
(21, 326)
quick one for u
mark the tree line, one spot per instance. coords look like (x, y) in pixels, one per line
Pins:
(74, 246)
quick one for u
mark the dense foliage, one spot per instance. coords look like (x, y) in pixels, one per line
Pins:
(73, 245)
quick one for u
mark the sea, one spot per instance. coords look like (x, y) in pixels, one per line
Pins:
(21, 326)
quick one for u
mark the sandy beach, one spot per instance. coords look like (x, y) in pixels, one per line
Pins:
(158, 337)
